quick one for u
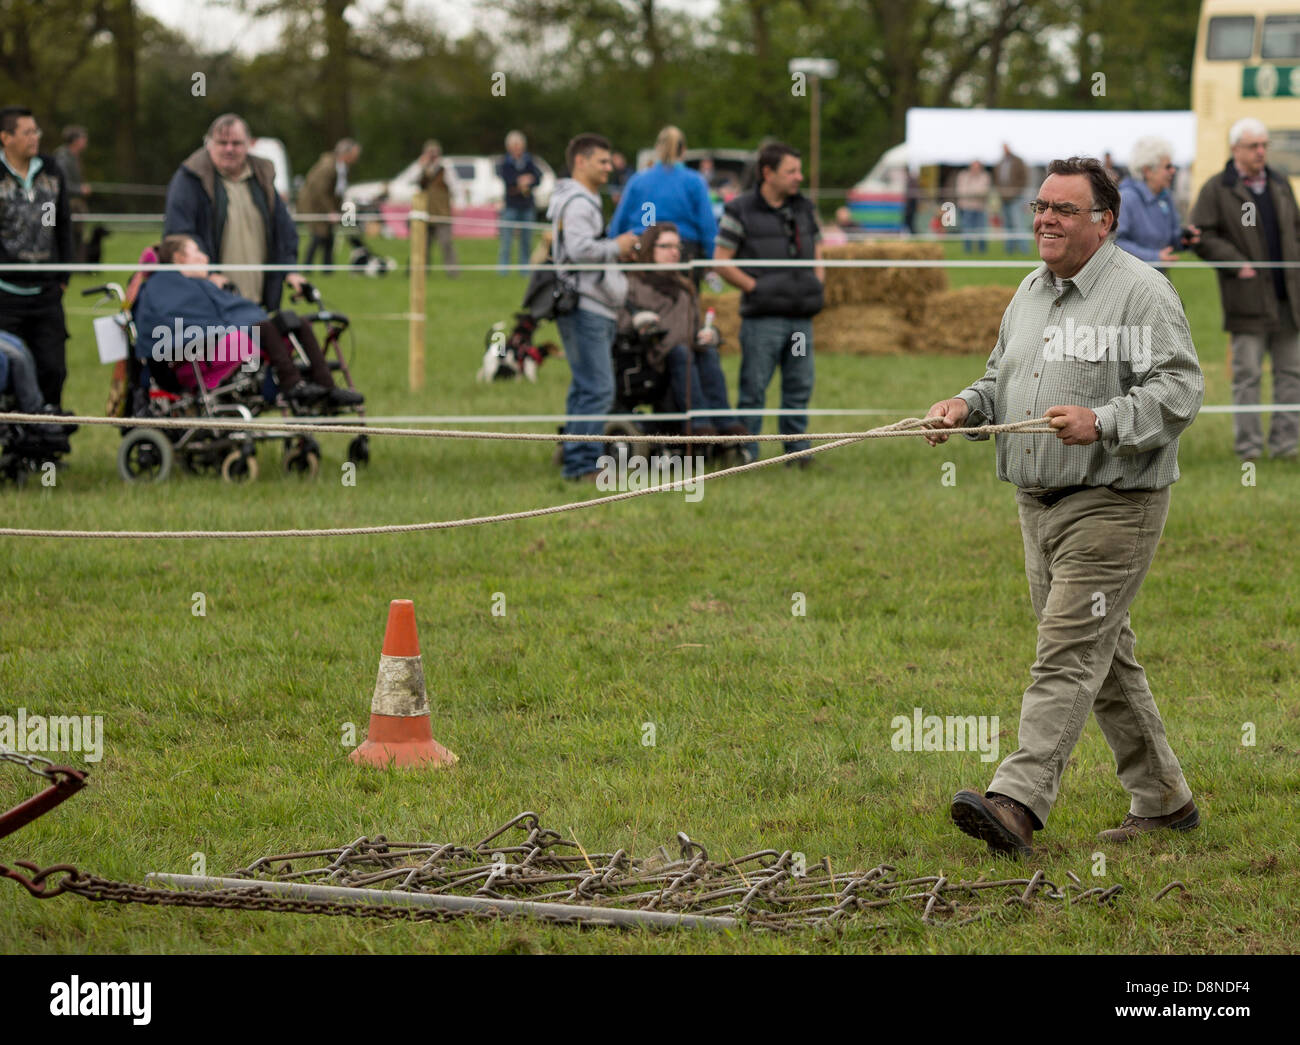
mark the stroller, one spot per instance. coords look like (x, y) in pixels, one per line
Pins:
(26, 448)
(225, 389)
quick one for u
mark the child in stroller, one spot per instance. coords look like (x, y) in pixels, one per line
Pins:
(663, 355)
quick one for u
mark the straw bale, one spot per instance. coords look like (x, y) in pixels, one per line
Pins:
(960, 322)
(861, 330)
(726, 318)
(903, 288)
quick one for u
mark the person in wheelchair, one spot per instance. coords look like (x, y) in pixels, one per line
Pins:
(18, 382)
(199, 299)
(688, 351)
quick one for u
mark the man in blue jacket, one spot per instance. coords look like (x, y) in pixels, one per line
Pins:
(520, 176)
(226, 200)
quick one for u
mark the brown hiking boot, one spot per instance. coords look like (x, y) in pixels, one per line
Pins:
(1180, 820)
(1000, 821)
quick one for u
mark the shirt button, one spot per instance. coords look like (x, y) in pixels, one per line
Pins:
(1056, 305)
(1027, 413)
(1029, 451)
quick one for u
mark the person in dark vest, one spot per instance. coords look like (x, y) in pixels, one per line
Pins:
(226, 200)
(1248, 214)
(774, 222)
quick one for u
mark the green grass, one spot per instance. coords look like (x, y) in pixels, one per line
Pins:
(222, 733)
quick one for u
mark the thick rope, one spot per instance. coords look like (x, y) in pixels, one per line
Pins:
(909, 425)
(289, 427)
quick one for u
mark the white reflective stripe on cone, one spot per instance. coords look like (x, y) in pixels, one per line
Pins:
(399, 688)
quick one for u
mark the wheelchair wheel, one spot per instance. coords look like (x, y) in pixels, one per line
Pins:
(145, 456)
(239, 467)
(302, 458)
(631, 441)
(359, 450)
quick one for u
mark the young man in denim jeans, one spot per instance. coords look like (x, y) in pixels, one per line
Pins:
(774, 222)
(588, 331)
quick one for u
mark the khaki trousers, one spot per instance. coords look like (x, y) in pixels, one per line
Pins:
(1086, 557)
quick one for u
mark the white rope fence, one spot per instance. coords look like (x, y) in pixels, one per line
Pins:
(346, 428)
(635, 266)
(911, 426)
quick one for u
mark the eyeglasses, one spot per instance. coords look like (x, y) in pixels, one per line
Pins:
(1065, 210)
(668, 246)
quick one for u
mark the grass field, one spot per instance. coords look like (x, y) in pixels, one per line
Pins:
(222, 732)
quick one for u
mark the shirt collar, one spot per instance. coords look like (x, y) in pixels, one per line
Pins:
(33, 169)
(1086, 278)
(1258, 180)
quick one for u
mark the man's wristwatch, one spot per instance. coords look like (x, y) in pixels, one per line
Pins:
(1096, 424)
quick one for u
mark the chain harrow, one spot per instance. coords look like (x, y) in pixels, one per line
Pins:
(766, 890)
(34, 764)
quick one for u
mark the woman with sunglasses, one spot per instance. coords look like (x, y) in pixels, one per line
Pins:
(1148, 220)
(671, 296)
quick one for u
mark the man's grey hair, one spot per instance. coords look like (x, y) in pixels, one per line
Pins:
(1149, 152)
(1246, 125)
(345, 146)
(227, 119)
(516, 136)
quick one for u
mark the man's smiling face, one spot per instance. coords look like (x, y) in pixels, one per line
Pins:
(1066, 242)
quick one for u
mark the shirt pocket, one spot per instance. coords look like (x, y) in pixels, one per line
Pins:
(1087, 382)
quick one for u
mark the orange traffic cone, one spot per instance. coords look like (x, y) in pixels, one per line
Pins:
(400, 730)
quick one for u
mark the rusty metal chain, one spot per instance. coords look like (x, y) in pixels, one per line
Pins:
(65, 781)
(32, 763)
(767, 889)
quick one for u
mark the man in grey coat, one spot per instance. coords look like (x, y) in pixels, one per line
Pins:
(1248, 214)
(588, 331)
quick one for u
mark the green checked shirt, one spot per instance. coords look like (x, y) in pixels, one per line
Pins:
(1113, 338)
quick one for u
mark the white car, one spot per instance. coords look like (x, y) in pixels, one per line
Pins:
(476, 185)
